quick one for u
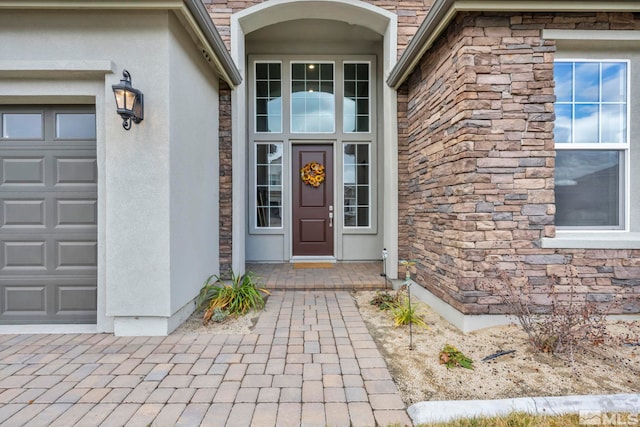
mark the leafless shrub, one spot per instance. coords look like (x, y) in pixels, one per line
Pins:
(556, 317)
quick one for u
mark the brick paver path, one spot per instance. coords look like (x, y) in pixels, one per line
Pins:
(309, 361)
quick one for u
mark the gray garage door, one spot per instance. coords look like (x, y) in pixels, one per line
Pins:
(48, 215)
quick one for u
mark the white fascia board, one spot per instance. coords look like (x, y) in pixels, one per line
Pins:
(191, 13)
(443, 11)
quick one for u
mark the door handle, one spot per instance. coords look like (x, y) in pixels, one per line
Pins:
(330, 216)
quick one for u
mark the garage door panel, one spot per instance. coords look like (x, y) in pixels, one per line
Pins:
(27, 215)
(25, 300)
(21, 213)
(75, 171)
(76, 300)
(77, 255)
(76, 213)
(48, 217)
(19, 255)
(25, 171)
(65, 299)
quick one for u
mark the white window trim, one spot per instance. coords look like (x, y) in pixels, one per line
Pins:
(595, 239)
(368, 97)
(369, 186)
(553, 34)
(624, 147)
(255, 97)
(287, 138)
(254, 191)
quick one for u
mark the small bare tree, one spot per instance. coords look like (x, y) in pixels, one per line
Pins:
(555, 322)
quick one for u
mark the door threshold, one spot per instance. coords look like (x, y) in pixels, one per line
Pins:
(296, 259)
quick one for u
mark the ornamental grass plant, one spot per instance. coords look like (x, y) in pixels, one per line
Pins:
(236, 296)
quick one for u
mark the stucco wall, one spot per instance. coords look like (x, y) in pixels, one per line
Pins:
(157, 183)
(134, 256)
(137, 188)
(194, 166)
(477, 166)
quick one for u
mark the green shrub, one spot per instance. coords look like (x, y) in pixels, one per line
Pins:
(451, 357)
(403, 313)
(235, 296)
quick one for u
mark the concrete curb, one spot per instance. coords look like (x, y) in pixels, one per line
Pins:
(444, 411)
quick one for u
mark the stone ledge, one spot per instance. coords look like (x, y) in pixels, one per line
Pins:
(587, 240)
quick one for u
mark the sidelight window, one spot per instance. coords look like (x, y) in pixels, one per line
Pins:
(356, 98)
(268, 97)
(268, 185)
(357, 187)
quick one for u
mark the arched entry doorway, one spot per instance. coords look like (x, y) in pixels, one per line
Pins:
(314, 80)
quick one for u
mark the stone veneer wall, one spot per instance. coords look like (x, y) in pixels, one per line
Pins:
(406, 230)
(225, 190)
(477, 166)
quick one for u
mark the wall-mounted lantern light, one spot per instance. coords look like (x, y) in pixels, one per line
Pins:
(129, 101)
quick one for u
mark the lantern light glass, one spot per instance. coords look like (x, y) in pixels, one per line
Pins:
(129, 101)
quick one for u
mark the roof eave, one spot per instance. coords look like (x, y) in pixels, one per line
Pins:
(192, 13)
(221, 56)
(443, 11)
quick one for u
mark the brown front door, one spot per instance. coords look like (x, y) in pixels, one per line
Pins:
(312, 204)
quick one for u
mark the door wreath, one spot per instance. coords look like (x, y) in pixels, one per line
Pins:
(312, 174)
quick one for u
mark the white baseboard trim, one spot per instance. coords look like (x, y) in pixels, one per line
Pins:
(473, 322)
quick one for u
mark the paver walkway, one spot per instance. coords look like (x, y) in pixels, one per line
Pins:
(309, 361)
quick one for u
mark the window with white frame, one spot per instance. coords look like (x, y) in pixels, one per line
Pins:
(312, 98)
(268, 175)
(592, 143)
(356, 103)
(357, 188)
(323, 98)
(268, 97)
